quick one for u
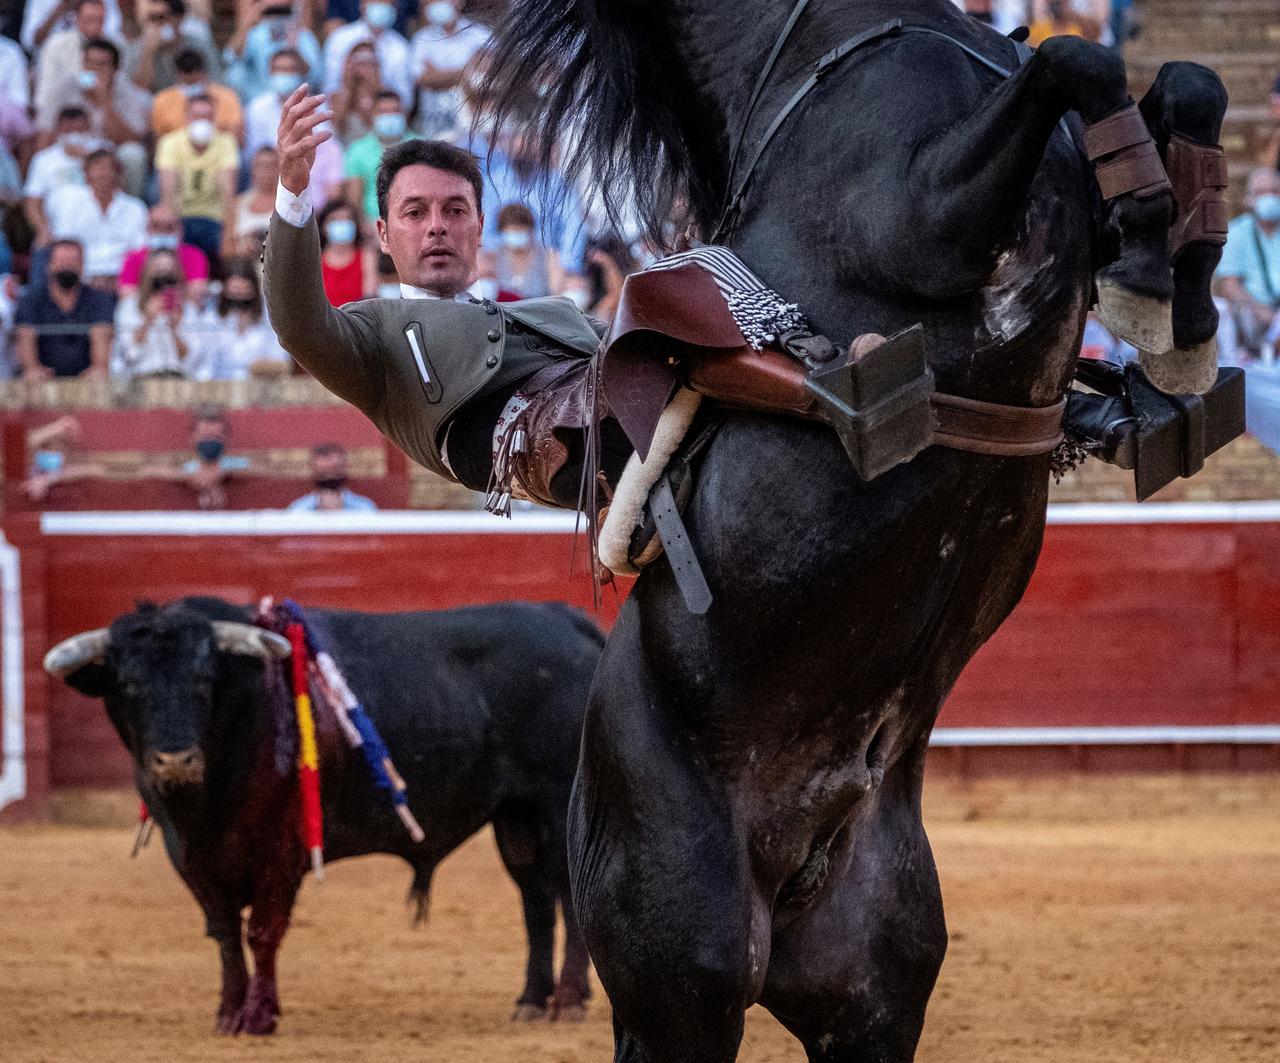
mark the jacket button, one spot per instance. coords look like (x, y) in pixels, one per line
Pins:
(490, 307)
(491, 361)
(494, 335)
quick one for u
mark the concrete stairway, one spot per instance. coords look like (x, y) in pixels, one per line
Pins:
(1240, 39)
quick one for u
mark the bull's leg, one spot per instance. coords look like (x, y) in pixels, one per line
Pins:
(225, 929)
(573, 987)
(268, 920)
(660, 879)
(1187, 102)
(851, 975)
(523, 854)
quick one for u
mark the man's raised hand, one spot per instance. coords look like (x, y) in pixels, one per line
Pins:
(298, 137)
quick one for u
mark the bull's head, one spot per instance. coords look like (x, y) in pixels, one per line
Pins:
(158, 670)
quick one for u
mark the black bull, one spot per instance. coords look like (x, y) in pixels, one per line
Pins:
(481, 709)
(746, 820)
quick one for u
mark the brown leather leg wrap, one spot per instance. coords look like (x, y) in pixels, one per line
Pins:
(1198, 173)
(753, 380)
(1124, 156)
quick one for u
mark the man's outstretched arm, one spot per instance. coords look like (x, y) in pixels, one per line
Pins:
(338, 349)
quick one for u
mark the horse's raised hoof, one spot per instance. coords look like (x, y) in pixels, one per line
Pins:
(529, 1013)
(1179, 372)
(1144, 321)
(571, 1013)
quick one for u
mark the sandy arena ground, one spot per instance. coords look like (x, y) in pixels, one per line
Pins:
(1096, 920)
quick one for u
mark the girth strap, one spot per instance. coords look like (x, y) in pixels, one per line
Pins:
(993, 428)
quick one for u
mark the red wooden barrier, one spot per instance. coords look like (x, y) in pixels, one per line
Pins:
(1164, 626)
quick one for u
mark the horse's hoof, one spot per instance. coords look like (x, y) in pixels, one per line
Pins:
(1179, 372)
(227, 1024)
(571, 1013)
(529, 1013)
(1141, 320)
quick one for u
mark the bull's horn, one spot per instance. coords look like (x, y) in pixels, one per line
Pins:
(77, 651)
(247, 639)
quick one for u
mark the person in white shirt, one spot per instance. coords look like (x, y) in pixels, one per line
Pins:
(61, 163)
(440, 52)
(377, 18)
(62, 53)
(106, 221)
(237, 341)
(14, 76)
(43, 18)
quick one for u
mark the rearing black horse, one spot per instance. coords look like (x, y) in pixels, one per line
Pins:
(746, 822)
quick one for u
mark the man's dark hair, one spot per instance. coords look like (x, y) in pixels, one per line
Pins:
(189, 61)
(515, 214)
(328, 450)
(104, 45)
(72, 114)
(437, 154)
(101, 153)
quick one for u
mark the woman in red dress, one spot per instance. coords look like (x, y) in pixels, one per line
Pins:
(347, 268)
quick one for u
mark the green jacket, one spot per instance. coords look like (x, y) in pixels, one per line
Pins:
(409, 364)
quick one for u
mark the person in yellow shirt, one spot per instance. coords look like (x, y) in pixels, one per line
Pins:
(197, 167)
(169, 107)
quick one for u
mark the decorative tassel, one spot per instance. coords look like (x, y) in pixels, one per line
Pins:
(308, 755)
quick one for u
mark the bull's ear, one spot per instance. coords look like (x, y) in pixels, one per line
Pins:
(94, 679)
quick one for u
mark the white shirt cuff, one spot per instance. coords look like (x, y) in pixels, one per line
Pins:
(296, 210)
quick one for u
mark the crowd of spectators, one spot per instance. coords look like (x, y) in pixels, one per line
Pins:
(138, 173)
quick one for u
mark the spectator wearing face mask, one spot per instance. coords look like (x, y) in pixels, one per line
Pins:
(104, 219)
(377, 18)
(164, 233)
(157, 326)
(61, 163)
(63, 52)
(55, 458)
(153, 61)
(238, 342)
(169, 109)
(262, 114)
(42, 20)
(440, 52)
(198, 169)
(339, 13)
(521, 267)
(118, 111)
(1250, 268)
(329, 480)
(365, 155)
(207, 473)
(388, 278)
(63, 327)
(264, 29)
(348, 272)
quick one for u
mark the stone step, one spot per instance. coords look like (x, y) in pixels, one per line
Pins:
(1154, 10)
(1186, 35)
(1246, 132)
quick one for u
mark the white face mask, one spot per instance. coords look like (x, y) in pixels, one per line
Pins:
(200, 131)
(440, 12)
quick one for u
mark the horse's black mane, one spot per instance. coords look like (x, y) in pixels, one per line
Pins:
(606, 105)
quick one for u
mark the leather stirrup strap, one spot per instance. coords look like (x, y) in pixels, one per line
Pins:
(1198, 173)
(1124, 156)
(995, 429)
(679, 549)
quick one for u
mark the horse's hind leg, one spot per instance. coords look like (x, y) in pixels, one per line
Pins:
(1187, 101)
(851, 975)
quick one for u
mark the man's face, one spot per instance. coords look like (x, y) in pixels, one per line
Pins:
(432, 230)
(285, 64)
(98, 61)
(207, 431)
(1264, 184)
(66, 257)
(101, 176)
(328, 467)
(158, 15)
(161, 223)
(199, 109)
(90, 19)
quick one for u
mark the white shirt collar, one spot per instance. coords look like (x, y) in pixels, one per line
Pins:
(408, 291)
